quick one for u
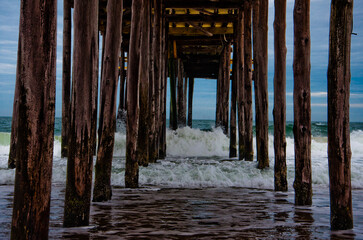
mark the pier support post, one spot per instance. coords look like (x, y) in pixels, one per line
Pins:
(240, 85)
(164, 81)
(339, 152)
(248, 81)
(102, 189)
(173, 124)
(260, 20)
(121, 114)
(233, 132)
(132, 126)
(279, 112)
(66, 75)
(81, 142)
(302, 111)
(190, 102)
(36, 80)
(142, 151)
(225, 87)
(180, 96)
(219, 91)
(156, 79)
(14, 120)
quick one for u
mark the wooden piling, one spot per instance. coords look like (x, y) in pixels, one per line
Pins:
(190, 102)
(156, 76)
(339, 152)
(233, 130)
(36, 78)
(121, 114)
(302, 111)
(66, 75)
(279, 112)
(185, 97)
(248, 81)
(219, 91)
(14, 120)
(180, 96)
(260, 20)
(225, 87)
(142, 151)
(164, 81)
(173, 124)
(240, 85)
(102, 189)
(81, 139)
(132, 126)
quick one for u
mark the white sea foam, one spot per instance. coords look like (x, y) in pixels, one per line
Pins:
(211, 167)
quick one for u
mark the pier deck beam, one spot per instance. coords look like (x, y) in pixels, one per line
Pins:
(339, 152)
(102, 189)
(279, 112)
(302, 110)
(36, 80)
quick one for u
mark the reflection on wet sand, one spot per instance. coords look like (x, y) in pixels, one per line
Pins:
(208, 213)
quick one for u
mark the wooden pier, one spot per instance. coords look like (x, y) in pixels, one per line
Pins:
(159, 40)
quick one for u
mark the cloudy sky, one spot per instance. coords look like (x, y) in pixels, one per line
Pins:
(205, 90)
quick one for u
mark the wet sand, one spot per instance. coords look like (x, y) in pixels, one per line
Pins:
(207, 213)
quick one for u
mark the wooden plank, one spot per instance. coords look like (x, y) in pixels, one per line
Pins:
(102, 188)
(203, 4)
(36, 82)
(260, 19)
(279, 112)
(66, 75)
(201, 18)
(192, 31)
(339, 152)
(302, 110)
(248, 81)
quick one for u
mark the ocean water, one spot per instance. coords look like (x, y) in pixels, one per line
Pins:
(197, 176)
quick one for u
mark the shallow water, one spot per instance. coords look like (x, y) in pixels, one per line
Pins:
(197, 192)
(196, 213)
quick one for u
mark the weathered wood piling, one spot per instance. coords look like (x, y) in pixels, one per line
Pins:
(302, 110)
(240, 76)
(81, 139)
(102, 188)
(183, 40)
(36, 77)
(248, 81)
(132, 125)
(66, 75)
(260, 20)
(339, 152)
(190, 101)
(279, 111)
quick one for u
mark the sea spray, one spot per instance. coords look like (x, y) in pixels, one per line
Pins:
(198, 158)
